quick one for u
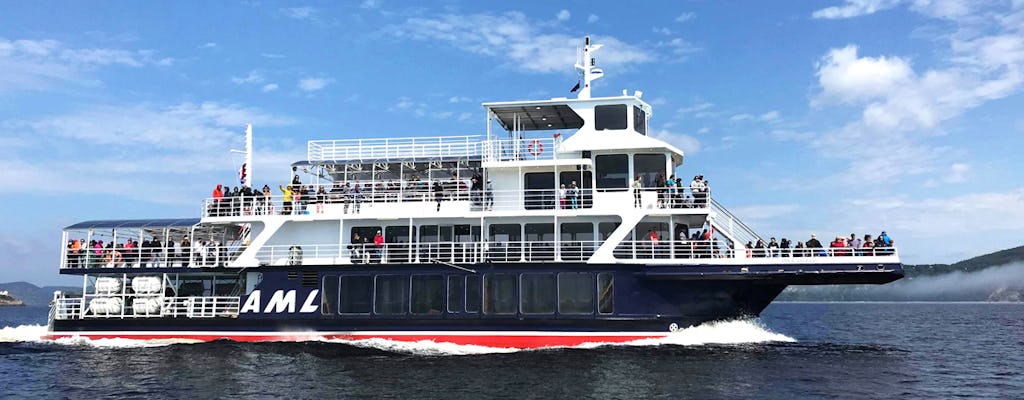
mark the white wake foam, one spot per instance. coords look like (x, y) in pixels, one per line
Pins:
(36, 333)
(712, 333)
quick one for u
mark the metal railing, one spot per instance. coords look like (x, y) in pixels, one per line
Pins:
(196, 254)
(393, 148)
(688, 249)
(520, 149)
(739, 230)
(66, 308)
(356, 201)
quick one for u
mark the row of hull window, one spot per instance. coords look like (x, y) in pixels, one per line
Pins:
(497, 294)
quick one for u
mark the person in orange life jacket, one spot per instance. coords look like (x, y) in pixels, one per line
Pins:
(836, 244)
(218, 195)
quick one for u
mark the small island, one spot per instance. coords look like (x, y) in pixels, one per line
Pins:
(7, 300)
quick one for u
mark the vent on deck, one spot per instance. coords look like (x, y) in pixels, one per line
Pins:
(310, 279)
(293, 275)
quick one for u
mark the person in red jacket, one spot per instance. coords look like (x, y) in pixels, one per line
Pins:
(378, 242)
(218, 195)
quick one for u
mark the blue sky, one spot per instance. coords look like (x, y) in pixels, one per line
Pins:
(831, 117)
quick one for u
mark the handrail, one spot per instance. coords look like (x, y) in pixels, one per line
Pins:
(393, 148)
(197, 254)
(80, 306)
(423, 192)
(745, 232)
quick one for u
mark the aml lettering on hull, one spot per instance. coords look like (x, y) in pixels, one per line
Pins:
(281, 301)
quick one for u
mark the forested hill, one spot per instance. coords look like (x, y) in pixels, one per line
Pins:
(996, 276)
(978, 263)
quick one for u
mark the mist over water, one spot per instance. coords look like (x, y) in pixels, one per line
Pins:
(1001, 283)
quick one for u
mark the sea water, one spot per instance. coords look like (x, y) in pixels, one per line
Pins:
(795, 350)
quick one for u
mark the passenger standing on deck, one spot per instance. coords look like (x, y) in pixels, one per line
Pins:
(652, 235)
(438, 194)
(287, 200)
(773, 248)
(356, 248)
(265, 208)
(562, 194)
(574, 195)
(637, 187)
(218, 195)
(357, 199)
(490, 195)
(378, 243)
(670, 201)
(813, 244)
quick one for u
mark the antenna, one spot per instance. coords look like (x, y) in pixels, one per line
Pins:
(587, 65)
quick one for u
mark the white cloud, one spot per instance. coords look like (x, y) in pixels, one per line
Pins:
(43, 64)
(686, 16)
(459, 99)
(592, 18)
(181, 146)
(703, 130)
(270, 87)
(208, 45)
(741, 117)
(771, 116)
(563, 15)
(314, 84)
(957, 173)
(854, 8)
(253, 77)
(936, 217)
(662, 30)
(688, 144)
(301, 13)
(696, 108)
(463, 117)
(764, 211)
(271, 55)
(847, 78)
(370, 4)
(516, 40)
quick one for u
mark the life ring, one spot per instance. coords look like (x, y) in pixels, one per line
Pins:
(535, 147)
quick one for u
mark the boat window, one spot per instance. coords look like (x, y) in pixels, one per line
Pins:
(639, 120)
(427, 294)
(500, 294)
(356, 294)
(391, 294)
(537, 293)
(605, 293)
(329, 295)
(456, 293)
(505, 242)
(540, 190)
(473, 293)
(605, 229)
(576, 293)
(540, 242)
(397, 239)
(612, 171)
(650, 168)
(610, 117)
(577, 240)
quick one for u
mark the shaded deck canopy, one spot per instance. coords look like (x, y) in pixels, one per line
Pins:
(135, 223)
(537, 117)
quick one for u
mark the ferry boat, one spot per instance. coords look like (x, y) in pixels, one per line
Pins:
(553, 228)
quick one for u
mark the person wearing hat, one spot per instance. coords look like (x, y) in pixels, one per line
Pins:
(813, 243)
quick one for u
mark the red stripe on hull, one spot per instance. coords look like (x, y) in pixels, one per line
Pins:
(501, 341)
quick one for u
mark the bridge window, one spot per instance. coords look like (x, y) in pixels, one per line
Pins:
(575, 293)
(639, 120)
(610, 117)
(612, 171)
(537, 293)
(650, 168)
(500, 294)
(577, 241)
(356, 294)
(427, 294)
(329, 295)
(456, 293)
(605, 293)
(391, 294)
(540, 190)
